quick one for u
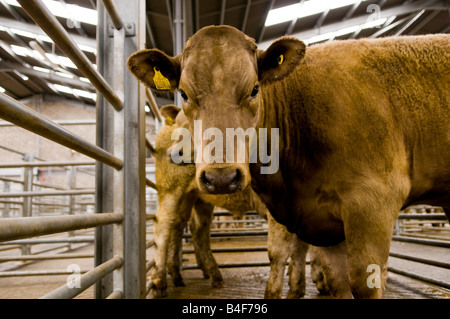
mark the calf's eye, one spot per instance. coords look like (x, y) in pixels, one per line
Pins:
(254, 91)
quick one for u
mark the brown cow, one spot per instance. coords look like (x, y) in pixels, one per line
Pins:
(178, 196)
(364, 130)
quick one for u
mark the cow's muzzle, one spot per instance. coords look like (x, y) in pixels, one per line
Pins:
(221, 180)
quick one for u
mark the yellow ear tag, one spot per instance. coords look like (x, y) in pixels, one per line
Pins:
(168, 121)
(161, 82)
(280, 59)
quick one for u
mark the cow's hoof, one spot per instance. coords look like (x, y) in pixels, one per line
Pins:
(205, 274)
(178, 282)
(295, 294)
(159, 293)
(218, 284)
(272, 295)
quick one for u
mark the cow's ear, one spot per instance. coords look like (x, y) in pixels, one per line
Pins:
(170, 113)
(155, 69)
(280, 59)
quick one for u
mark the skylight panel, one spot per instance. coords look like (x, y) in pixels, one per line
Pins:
(68, 11)
(305, 9)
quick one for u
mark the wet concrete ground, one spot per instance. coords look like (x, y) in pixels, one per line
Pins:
(250, 282)
(241, 283)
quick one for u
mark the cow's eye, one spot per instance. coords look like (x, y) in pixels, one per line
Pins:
(254, 91)
(183, 95)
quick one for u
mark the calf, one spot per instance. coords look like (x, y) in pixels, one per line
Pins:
(178, 196)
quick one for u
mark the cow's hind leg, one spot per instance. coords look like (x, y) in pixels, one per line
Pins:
(200, 225)
(369, 223)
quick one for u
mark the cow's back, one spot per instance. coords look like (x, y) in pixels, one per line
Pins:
(362, 109)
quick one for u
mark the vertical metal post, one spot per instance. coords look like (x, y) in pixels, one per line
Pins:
(127, 140)
(119, 150)
(104, 194)
(135, 217)
(27, 200)
(178, 41)
(7, 206)
(71, 199)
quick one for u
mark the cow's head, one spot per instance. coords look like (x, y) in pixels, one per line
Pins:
(219, 74)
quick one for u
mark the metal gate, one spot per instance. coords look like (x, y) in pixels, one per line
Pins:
(120, 247)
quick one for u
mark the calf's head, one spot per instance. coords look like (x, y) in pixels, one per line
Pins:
(220, 75)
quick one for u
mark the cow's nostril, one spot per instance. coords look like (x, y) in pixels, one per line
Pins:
(237, 177)
(204, 178)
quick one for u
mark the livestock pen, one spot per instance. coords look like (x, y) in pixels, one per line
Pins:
(104, 233)
(120, 183)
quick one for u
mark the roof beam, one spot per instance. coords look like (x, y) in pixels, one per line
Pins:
(409, 23)
(394, 11)
(10, 23)
(247, 10)
(10, 66)
(222, 11)
(424, 22)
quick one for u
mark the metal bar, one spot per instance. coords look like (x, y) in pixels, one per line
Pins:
(113, 13)
(150, 183)
(46, 193)
(45, 164)
(419, 277)
(153, 104)
(36, 241)
(409, 23)
(423, 216)
(424, 22)
(178, 25)
(17, 228)
(234, 265)
(150, 146)
(50, 24)
(26, 118)
(229, 250)
(87, 280)
(104, 132)
(429, 242)
(116, 294)
(44, 257)
(134, 158)
(119, 151)
(23, 273)
(421, 260)
(233, 234)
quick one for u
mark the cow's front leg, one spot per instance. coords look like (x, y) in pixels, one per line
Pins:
(174, 256)
(173, 210)
(200, 225)
(165, 217)
(334, 265)
(368, 244)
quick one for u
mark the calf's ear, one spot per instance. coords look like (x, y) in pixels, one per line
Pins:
(155, 69)
(280, 59)
(170, 112)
